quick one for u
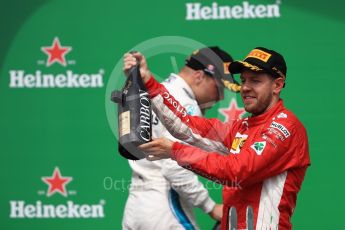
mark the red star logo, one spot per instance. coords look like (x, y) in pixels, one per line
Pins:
(57, 183)
(56, 52)
(233, 112)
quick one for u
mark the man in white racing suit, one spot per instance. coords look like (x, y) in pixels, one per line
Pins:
(162, 194)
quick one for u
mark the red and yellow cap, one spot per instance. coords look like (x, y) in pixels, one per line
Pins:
(261, 60)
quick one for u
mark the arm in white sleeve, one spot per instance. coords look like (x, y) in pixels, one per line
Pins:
(187, 185)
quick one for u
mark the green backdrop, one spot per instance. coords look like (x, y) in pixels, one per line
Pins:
(66, 124)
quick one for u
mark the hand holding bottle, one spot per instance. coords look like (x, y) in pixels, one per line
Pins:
(131, 59)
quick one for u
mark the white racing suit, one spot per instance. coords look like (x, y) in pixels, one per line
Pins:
(162, 194)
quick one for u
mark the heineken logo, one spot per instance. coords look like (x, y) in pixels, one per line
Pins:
(57, 184)
(68, 79)
(259, 147)
(43, 77)
(232, 112)
(56, 53)
(197, 11)
(21, 209)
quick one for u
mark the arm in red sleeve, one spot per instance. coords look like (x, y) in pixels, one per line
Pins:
(262, 157)
(208, 134)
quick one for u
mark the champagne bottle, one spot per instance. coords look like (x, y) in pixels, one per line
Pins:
(134, 115)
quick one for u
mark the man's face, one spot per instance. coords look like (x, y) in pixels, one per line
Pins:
(207, 92)
(257, 91)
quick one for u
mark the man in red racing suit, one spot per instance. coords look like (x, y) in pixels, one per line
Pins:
(264, 157)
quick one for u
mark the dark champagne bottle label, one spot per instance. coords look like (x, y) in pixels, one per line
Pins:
(134, 115)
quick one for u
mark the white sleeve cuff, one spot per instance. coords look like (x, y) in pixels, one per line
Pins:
(208, 205)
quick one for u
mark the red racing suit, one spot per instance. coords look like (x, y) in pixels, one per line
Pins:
(261, 161)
